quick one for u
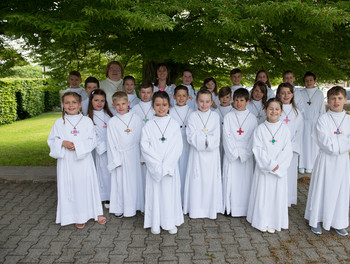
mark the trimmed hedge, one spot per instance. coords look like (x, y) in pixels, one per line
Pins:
(21, 98)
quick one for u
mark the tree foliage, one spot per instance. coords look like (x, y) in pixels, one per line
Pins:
(209, 36)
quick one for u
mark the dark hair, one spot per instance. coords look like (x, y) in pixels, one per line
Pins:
(291, 89)
(309, 73)
(226, 90)
(129, 77)
(162, 95)
(272, 100)
(263, 89)
(207, 80)
(204, 91)
(335, 90)
(167, 77)
(234, 71)
(91, 80)
(180, 87)
(287, 72)
(109, 64)
(188, 70)
(75, 73)
(90, 107)
(241, 93)
(75, 95)
(145, 85)
(267, 76)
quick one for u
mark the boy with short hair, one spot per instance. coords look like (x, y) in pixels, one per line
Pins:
(328, 198)
(129, 85)
(288, 77)
(90, 84)
(238, 129)
(144, 108)
(310, 102)
(74, 80)
(123, 138)
(236, 78)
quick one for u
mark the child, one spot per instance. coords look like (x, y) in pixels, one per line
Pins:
(144, 108)
(292, 117)
(238, 129)
(328, 198)
(100, 114)
(114, 83)
(162, 82)
(288, 77)
(129, 87)
(263, 76)
(180, 112)
(123, 138)
(203, 188)
(71, 141)
(258, 97)
(74, 79)
(210, 84)
(272, 148)
(187, 80)
(161, 147)
(311, 103)
(91, 84)
(236, 78)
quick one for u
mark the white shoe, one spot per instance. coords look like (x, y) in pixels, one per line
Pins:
(271, 230)
(106, 204)
(155, 232)
(308, 171)
(173, 231)
(119, 215)
(301, 170)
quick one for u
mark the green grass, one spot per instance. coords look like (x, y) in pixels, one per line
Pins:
(23, 143)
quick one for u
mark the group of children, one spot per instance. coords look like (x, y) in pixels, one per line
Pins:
(180, 151)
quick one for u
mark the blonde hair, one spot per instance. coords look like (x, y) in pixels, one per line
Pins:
(119, 95)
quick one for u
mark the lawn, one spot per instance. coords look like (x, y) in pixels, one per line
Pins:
(23, 143)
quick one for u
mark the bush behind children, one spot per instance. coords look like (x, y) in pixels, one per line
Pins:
(176, 151)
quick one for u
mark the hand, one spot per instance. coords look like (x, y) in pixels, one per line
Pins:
(276, 168)
(119, 166)
(143, 163)
(68, 145)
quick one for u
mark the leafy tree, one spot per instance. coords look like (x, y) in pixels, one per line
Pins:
(209, 36)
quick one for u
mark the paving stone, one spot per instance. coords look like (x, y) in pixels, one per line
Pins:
(200, 252)
(101, 255)
(244, 243)
(151, 258)
(184, 246)
(249, 256)
(12, 259)
(120, 247)
(138, 241)
(215, 245)
(198, 239)
(311, 254)
(168, 253)
(44, 241)
(117, 258)
(135, 255)
(169, 240)
(68, 255)
(107, 241)
(184, 258)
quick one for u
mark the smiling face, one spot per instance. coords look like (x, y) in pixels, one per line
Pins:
(289, 78)
(115, 72)
(129, 86)
(146, 94)
(262, 77)
(121, 105)
(236, 78)
(161, 106)
(336, 102)
(257, 94)
(309, 82)
(240, 103)
(225, 100)
(181, 97)
(74, 81)
(98, 102)
(71, 105)
(187, 78)
(204, 102)
(162, 73)
(285, 95)
(273, 112)
(210, 85)
(90, 87)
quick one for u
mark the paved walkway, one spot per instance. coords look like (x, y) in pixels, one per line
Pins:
(28, 234)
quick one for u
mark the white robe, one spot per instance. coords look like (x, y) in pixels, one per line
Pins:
(268, 202)
(133, 99)
(257, 109)
(163, 195)
(310, 114)
(181, 115)
(234, 88)
(203, 186)
(169, 89)
(238, 161)
(295, 125)
(191, 102)
(127, 195)
(110, 87)
(216, 100)
(270, 93)
(104, 177)
(85, 106)
(328, 198)
(77, 185)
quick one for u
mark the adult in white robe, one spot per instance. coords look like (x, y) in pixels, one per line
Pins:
(104, 177)
(257, 109)
(203, 185)
(163, 187)
(110, 87)
(294, 120)
(238, 160)
(77, 184)
(123, 137)
(268, 202)
(181, 114)
(133, 99)
(328, 198)
(311, 112)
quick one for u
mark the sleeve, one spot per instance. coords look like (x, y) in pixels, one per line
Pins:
(263, 160)
(85, 146)
(213, 137)
(230, 147)
(113, 154)
(195, 137)
(298, 135)
(101, 146)
(150, 156)
(247, 152)
(285, 156)
(54, 141)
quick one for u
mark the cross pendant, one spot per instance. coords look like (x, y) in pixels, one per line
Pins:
(240, 131)
(75, 132)
(146, 119)
(338, 132)
(273, 141)
(162, 139)
(127, 130)
(286, 120)
(309, 103)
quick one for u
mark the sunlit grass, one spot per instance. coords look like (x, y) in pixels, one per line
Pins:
(23, 143)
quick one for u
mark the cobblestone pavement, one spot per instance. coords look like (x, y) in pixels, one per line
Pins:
(28, 234)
